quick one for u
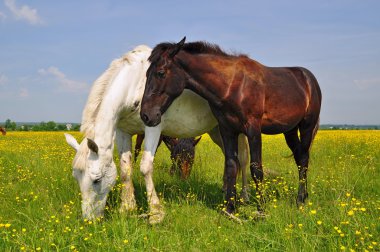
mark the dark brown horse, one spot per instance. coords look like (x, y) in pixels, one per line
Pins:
(3, 131)
(182, 152)
(245, 97)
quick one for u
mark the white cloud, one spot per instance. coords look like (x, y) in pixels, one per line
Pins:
(23, 93)
(24, 12)
(64, 83)
(367, 83)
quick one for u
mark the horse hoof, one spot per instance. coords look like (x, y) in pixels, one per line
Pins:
(301, 198)
(156, 214)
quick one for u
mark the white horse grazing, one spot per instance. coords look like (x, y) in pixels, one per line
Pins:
(113, 112)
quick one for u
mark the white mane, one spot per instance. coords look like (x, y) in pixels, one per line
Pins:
(94, 101)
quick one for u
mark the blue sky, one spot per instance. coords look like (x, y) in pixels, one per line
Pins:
(52, 51)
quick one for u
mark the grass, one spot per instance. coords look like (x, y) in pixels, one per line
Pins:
(40, 201)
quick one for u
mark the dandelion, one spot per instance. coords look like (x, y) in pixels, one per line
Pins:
(125, 241)
(313, 211)
(350, 213)
(319, 222)
(363, 209)
(342, 247)
(7, 225)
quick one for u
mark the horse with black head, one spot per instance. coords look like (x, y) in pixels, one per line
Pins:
(244, 96)
(182, 152)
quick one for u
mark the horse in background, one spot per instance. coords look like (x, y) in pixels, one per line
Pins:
(3, 131)
(245, 97)
(182, 153)
(112, 112)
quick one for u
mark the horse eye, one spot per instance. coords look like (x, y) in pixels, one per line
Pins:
(161, 74)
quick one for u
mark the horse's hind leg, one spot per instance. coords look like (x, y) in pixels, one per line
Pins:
(300, 148)
(124, 145)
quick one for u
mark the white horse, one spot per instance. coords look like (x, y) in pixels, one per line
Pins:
(113, 112)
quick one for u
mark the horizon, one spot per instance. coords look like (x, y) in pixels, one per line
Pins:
(50, 59)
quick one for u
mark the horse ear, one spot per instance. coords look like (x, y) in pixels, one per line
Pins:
(92, 145)
(170, 142)
(72, 141)
(177, 47)
(196, 141)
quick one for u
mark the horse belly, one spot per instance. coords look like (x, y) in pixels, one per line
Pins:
(188, 116)
(130, 122)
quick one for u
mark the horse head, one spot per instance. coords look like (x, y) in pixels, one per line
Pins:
(95, 173)
(182, 153)
(165, 82)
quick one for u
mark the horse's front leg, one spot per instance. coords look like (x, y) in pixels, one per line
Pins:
(231, 165)
(243, 156)
(255, 146)
(152, 137)
(124, 145)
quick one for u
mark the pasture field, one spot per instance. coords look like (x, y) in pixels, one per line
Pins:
(40, 202)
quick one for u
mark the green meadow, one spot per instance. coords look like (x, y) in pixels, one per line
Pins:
(40, 202)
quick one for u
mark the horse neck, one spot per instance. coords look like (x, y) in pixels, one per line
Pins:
(200, 76)
(125, 90)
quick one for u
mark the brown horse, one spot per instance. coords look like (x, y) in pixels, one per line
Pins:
(3, 131)
(182, 152)
(245, 97)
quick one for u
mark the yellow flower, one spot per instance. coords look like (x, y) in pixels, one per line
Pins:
(363, 209)
(7, 225)
(313, 211)
(125, 241)
(319, 222)
(350, 213)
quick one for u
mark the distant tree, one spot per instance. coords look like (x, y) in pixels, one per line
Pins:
(61, 127)
(42, 126)
(76, 127)
(9, 125)
(50, 126)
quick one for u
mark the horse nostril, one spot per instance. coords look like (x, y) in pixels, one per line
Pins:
(145, 118)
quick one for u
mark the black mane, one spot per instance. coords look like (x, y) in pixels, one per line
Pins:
(200, 47)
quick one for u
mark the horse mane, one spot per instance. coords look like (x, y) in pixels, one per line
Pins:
(199, 47)
(94, 101)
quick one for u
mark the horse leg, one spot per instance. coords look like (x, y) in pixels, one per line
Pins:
(230, 143)
(255, 147)
(139, 140)
(152, 137)
(294, 144)
(243, 157)
(124, 145)
(307, 134)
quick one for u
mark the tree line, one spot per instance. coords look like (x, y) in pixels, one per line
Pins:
(9, 125)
